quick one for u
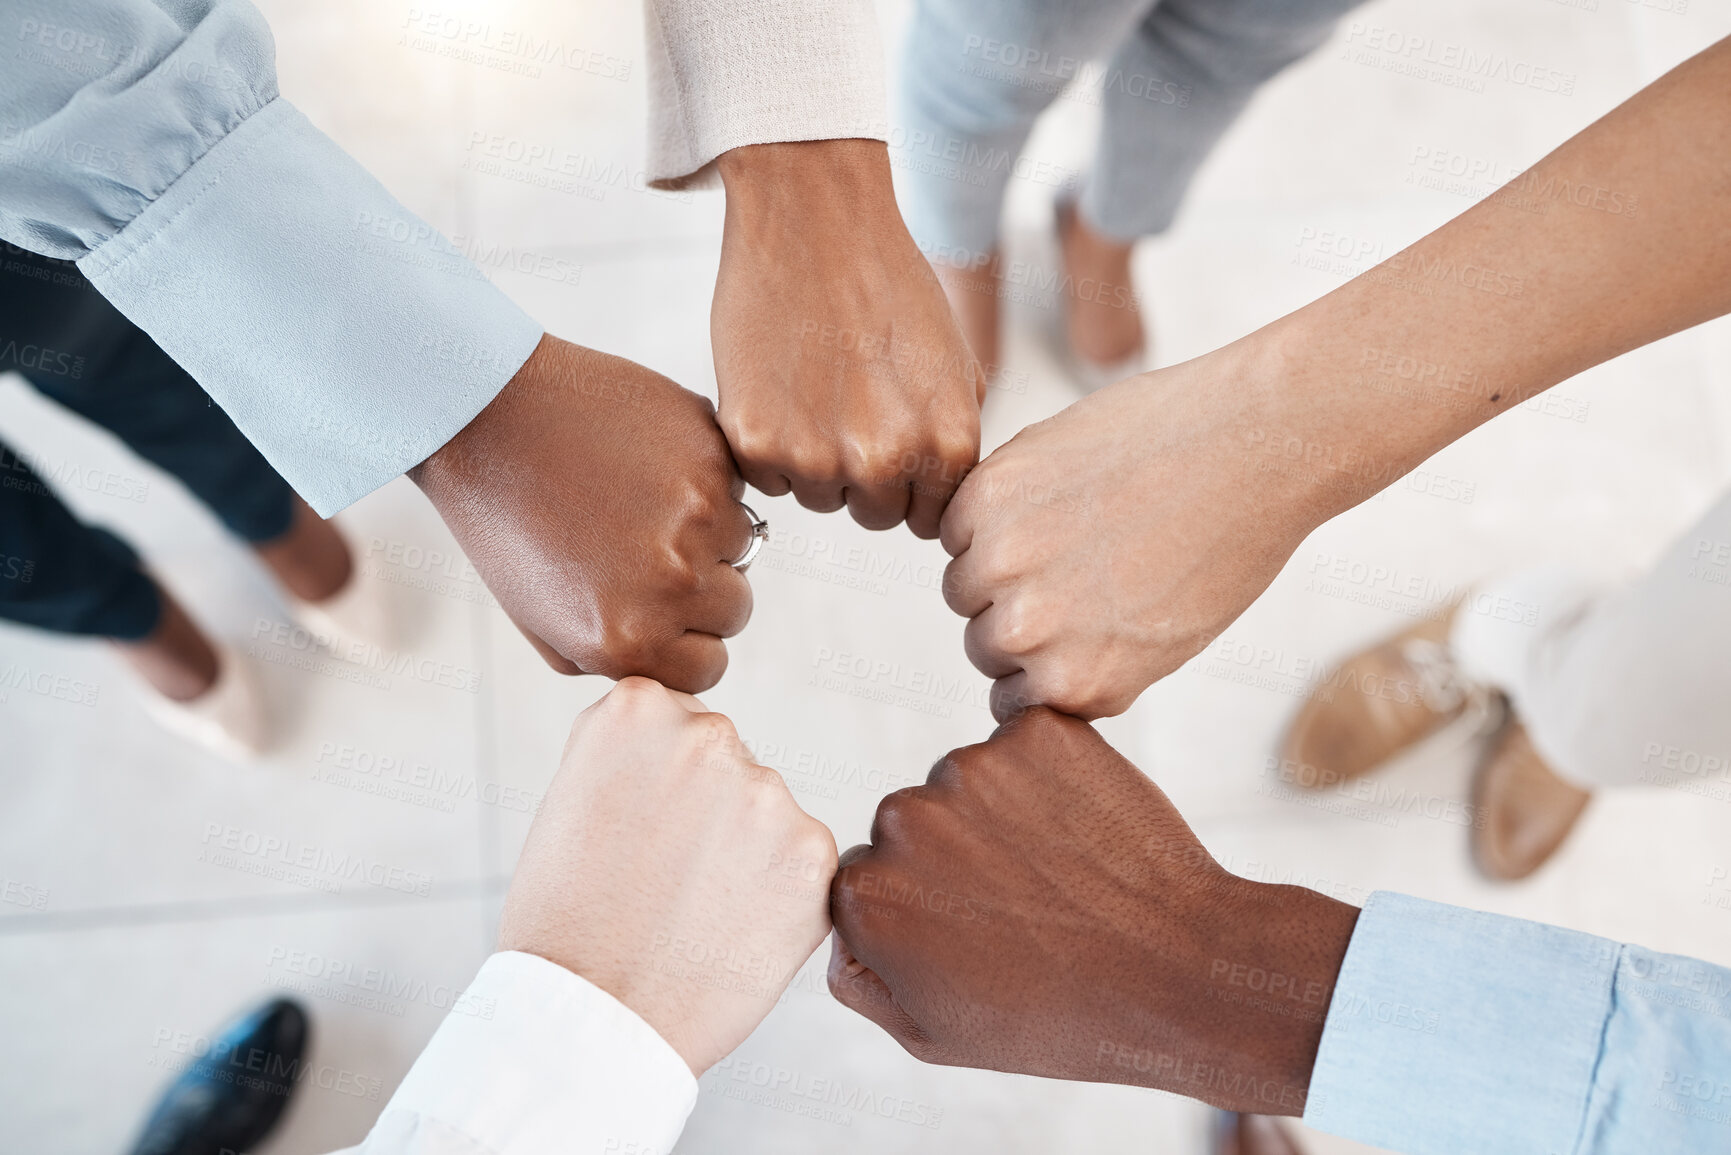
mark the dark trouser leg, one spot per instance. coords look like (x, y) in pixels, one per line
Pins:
(58, 573)
(78, 349)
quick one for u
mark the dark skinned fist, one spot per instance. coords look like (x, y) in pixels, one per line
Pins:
(842, 374)
(1039, 907)
(600, 504)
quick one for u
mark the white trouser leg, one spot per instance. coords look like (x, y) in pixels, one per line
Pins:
(1622, 686)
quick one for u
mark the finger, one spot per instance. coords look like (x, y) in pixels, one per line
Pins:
(858, 988)
(852, 855)
(985, 643)
(1012, 695)
(690, 662)
(691, 704)
(819, 496)
(932, 484)
(769, 481)
(961, 516)
(877, 506)
(728, 534)
(722, 606)
(965, 590)
(926, 508)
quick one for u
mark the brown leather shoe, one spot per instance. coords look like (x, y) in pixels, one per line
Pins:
(1521, 810)
(1378, 703)
(1253, 1135)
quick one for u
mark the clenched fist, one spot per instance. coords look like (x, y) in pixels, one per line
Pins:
(599, 503)
(1039, 907)
(1099, 550)
(842, 373)
(671, 871)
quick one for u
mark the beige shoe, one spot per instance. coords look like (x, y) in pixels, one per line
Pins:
(360, 615)
(1379, 703)
(229, 719)
(1521, 810)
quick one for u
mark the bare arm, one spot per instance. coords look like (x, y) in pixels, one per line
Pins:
(1098, 551)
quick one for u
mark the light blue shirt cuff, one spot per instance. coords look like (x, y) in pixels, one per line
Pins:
(1454, 1030)
(346, 337)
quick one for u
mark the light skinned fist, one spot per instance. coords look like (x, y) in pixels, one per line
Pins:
(1097, 551)
(841, 371)
(599, 503)
(1039, 907)
(673, 872)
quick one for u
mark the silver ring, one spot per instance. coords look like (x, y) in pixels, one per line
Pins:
(759, 535)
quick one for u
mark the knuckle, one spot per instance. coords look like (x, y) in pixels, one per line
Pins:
(713, 732)
(633, 693)
(900, 815)
(629, 645)
(811, 463)
(816, 845)
(1018, 630)
(878, 461)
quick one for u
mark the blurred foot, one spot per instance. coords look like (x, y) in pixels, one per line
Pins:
(198, 688)
(1379, 703)
(175, 658)
(1523, 811)
(1103, 323)
(973, 292)
(229, 718)
(231, 1097)
(1236, 1134)
(317, 569)
(311, 560)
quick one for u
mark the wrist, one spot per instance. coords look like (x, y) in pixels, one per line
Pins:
(793, 182)
(1312, 421)
(1275, 959)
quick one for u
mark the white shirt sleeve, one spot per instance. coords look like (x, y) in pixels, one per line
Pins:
(727, 73)
(535, 1060)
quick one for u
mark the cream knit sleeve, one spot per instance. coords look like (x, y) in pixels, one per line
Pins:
(726, 73)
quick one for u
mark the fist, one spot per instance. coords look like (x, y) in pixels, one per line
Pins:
(1038, 906)
(842, 374)
(1099, 550)
(671, 871)
(599, 503)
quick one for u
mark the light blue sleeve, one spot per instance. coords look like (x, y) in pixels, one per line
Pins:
(1456, 1031)
(145, 139)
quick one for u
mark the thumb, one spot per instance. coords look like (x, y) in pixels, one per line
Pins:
(858, 988)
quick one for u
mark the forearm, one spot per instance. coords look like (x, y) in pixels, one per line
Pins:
(1619, 237)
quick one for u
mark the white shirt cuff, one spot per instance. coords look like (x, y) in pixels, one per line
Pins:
(536, 1060)
(346, 337)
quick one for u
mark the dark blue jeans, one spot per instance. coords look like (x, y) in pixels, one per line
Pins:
(57, 572)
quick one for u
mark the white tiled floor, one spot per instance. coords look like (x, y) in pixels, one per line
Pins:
(143, 933)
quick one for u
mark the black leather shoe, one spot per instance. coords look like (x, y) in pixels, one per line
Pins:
(233, 1095)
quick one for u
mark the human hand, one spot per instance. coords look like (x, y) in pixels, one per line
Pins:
(1039, 907)
(841, 371)
(671, 871)
(1097, 551)
(599, 503)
